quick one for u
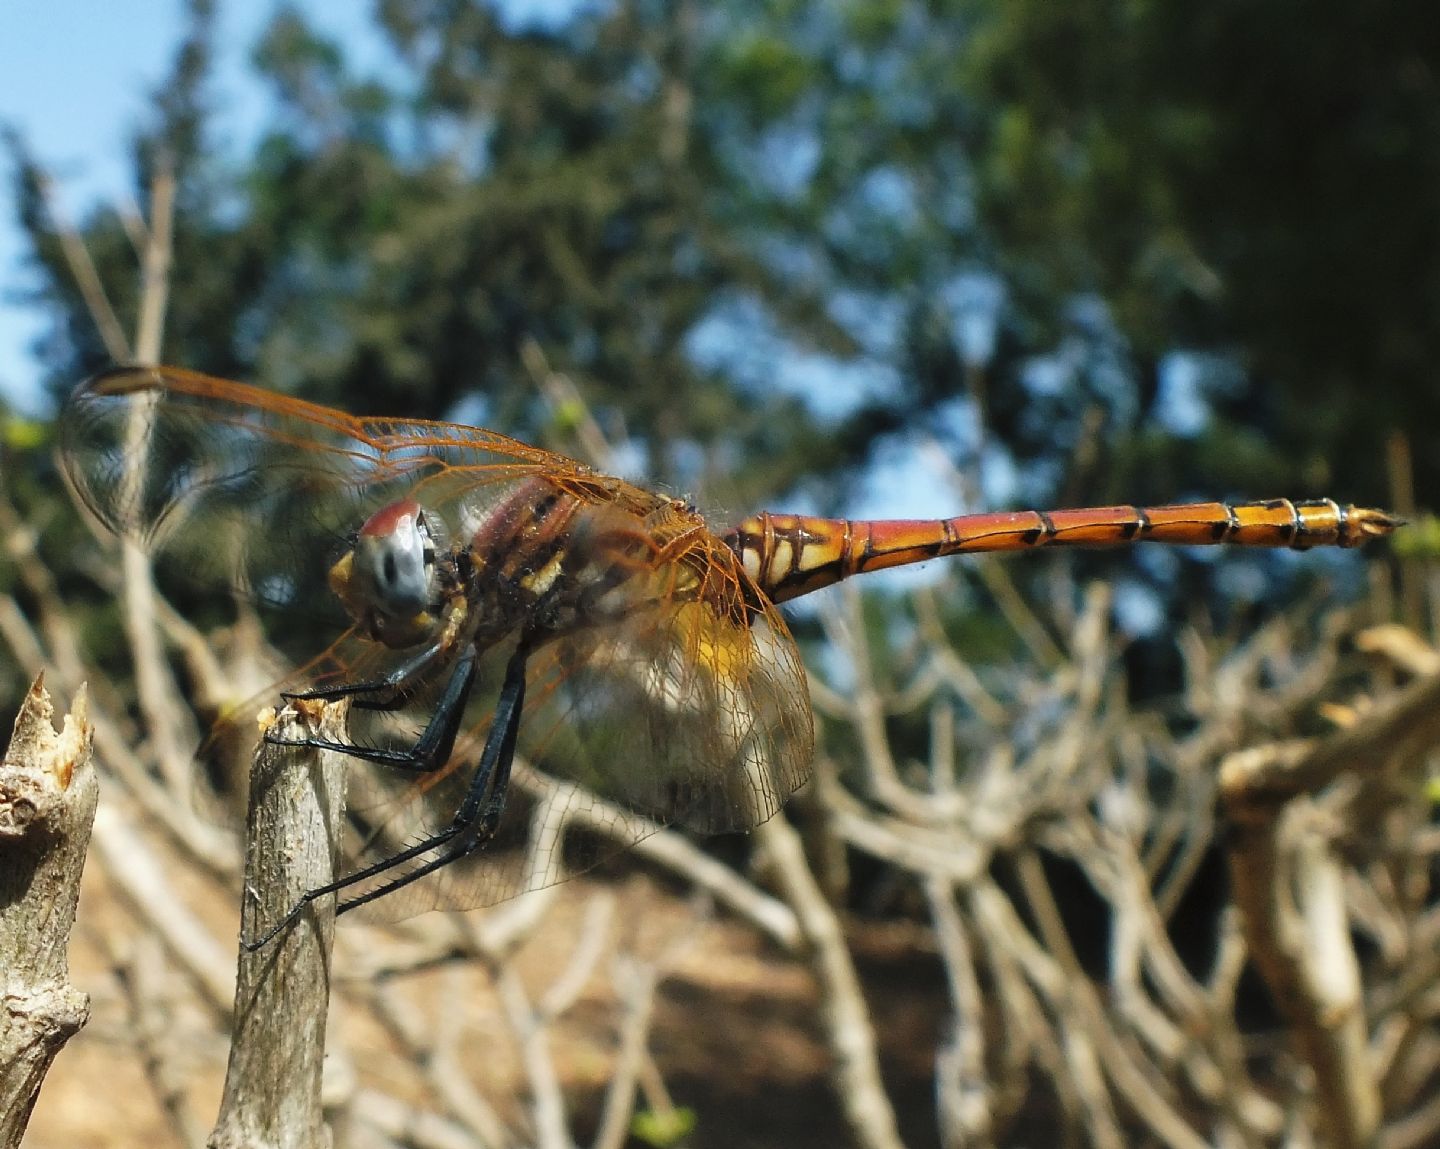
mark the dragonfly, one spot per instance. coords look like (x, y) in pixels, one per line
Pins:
(494, 599)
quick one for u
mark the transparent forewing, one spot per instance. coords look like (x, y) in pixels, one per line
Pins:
(689, 705)
(257, 492)
(690, 708)
(662, 687)
(697, 721)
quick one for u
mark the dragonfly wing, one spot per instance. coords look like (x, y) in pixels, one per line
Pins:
(683, 701)
(698, 721)
(256, 492)
(675, 715)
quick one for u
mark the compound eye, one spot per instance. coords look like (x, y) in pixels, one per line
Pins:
(395, 556)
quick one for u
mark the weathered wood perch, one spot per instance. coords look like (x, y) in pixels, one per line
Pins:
(282, 991)
(48, 792)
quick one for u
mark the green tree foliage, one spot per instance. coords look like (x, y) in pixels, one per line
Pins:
(397, 242)
(997, 212)
(1250, 180)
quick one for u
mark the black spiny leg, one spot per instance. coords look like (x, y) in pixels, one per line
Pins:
(432, 748)
(479, 814)
(390, 688)
(472, 826)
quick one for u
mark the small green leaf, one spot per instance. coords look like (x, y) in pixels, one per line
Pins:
(663, 1129)
(23, 434)
(565, 417)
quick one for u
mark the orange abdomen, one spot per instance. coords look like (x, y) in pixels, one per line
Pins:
(792, 555)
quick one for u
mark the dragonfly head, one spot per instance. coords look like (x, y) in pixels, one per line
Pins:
(387, 580)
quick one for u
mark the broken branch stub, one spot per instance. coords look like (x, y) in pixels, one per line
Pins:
(48, 792)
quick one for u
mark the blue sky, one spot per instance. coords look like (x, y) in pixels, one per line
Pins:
(74, 82)
(76, 78)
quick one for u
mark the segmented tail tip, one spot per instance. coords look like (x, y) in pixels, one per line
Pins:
(1372, 524)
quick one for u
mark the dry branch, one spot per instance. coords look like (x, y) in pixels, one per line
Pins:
(48, 793)
(849, 1031)
(1289, 888)
(282, 991)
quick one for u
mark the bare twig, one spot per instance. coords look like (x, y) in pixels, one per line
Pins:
(155, 686)
(675, 853)
(21, 544)
(637, 979)
(547, 1101)
(1384, 741)
(1400, 645)
(1088, 1037)
(434, 1047)
(1288, 886)
(566, 404)
(58, 656)
(151, 996)
(130, 863)
(964, 1090)
(87, 278)
(155, 266)
(850, 1033)
(405, 1125)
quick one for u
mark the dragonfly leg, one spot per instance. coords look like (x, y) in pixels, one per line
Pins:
(478, 816)
(390, 689)
(433, 747)
(473, 824)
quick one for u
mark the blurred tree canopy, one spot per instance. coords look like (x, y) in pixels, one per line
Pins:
(763, 236)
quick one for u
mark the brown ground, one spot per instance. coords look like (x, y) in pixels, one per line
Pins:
(734, 1034)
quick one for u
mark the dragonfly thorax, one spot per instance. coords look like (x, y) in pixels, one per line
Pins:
(388, 580)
